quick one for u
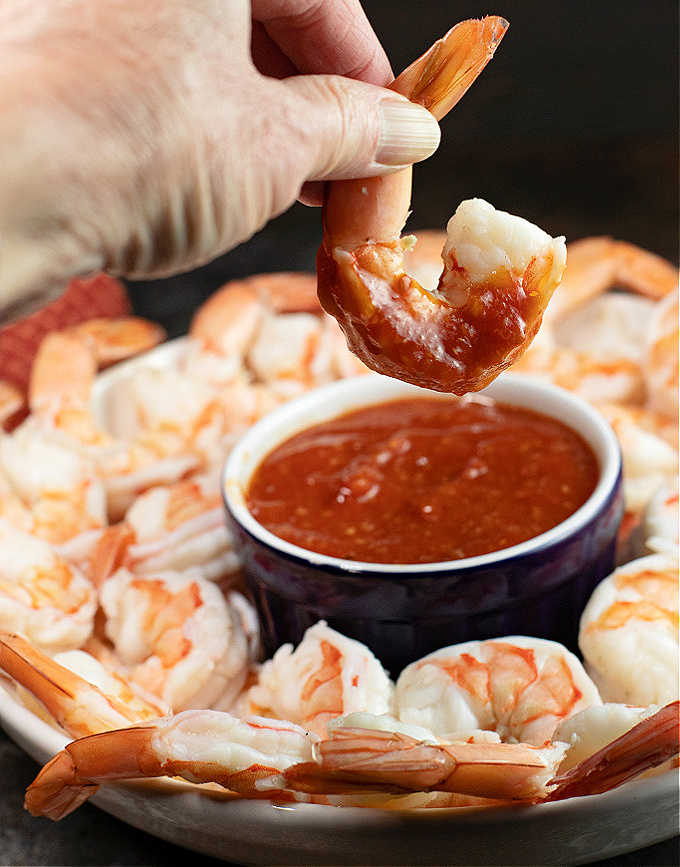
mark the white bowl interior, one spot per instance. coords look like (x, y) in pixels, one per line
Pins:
(343, 396)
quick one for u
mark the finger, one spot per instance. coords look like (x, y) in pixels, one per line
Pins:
(325, 36)
(351, 129)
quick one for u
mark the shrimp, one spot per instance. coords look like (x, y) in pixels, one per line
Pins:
(600, 263)
(592, 728)
(590, 338)
(266, 758)
(326, 676)
(518, 687)
(650, 459)
(273, 327)
(180, 526)
(118, 338)
(80, 694)
(628, 633)
(661, 360)
(499, 273)
(42, 595)
(356, 760)
(60, 400)
(649, 744)
(661, 521)
(176, 637)
(198, 745)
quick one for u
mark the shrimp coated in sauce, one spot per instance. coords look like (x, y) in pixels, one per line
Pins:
(499, 273)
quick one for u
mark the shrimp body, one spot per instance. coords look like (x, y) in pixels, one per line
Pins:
(518, 687)
(198, 745)
(499, 271)
(629, 632)
(327, 675)
(180, 526)
(42, 595)
(176, 637)
(356, 760)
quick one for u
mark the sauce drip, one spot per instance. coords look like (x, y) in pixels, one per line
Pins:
(423, 480)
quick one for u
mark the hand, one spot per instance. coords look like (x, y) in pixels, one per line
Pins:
(145, 138)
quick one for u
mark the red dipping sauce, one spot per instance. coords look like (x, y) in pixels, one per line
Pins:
(423, 480)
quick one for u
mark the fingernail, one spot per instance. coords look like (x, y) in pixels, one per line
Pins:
(408, 133)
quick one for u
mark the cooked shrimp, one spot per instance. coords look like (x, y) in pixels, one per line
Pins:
(661, 361)
(661, 521)
(198, 745)
(593, 728)
(180, 526)
(326, 676)
(42, 595)
(80, 694)
(60, 399)
(649, 458)
(518, 687)
(260, 757)
(597, 264)
(355, 760)
(176, 637)
(629, 632)
(649, 744)
(115, 339)
(499, 274)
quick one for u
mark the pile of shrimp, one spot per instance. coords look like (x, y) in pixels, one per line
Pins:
(124, 621)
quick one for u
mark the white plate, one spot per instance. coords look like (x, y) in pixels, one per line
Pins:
(233, 829)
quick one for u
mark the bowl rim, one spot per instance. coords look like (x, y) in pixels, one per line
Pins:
(319, 404)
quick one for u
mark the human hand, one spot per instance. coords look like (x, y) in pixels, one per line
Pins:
(145, 138)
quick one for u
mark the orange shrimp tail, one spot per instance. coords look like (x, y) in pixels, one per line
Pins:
(57, 790)
(647, 745)
(76, 773)
(442, 76)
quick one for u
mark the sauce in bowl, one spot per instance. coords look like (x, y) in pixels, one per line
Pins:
(423, 480)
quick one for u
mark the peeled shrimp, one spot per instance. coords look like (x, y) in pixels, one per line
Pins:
(661, 521)
(629, 632)
(593, 728)
(499, 273)
(661, 361)
(599, 263)
(518, 687)
(327, 675)
(176, 637)
(180, 526)
(197, 745)
(354, 760)
(42, 595)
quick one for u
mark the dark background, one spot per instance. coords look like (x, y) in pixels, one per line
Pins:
(573, 125)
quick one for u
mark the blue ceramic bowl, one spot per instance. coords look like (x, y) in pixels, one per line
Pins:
(403, 611)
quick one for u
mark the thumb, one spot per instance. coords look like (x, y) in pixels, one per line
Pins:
(352, 129)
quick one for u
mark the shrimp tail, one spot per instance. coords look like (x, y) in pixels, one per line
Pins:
(442, 76)
(58, 790)
(647, 745)
(74, 774)
(76, 705)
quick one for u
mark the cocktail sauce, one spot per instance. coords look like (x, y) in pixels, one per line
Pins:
(423, 480)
